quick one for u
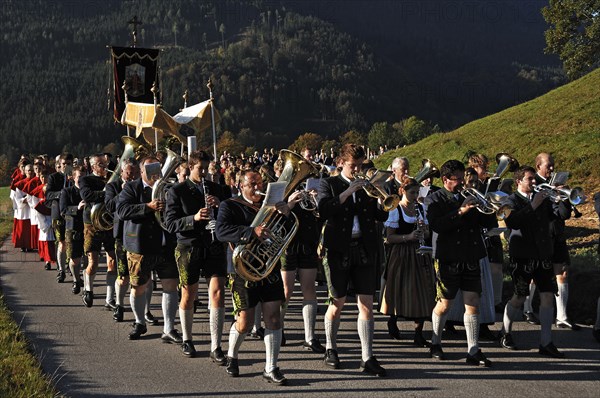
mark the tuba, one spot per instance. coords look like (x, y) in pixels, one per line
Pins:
(256, 259)
(506, 163)
(161, 187)
(102, 219)
(429, 170)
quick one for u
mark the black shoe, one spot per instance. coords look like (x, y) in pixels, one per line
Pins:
(258, 333)
(197, 304)
(218, 357)
(420, 340)
(567, 324)
(172, 337)
(435, 351)
(76, 289)
(531, 318)
(138, 330)
(275, 376)
(486, 334)
(596, 334)
(88, 298)
(393, 330)
(499, 308)
(110, 305)
(450, 329)
(232, 367)
(507, 342)
(60, 277)
(551, 351)
(118, 314)
(331, 359)
(373, 367)
(188, 349)
(478, 360)
(48, 266)
(314, 345)
(151, 319)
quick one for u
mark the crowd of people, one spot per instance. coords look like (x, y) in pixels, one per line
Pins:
(432, 254)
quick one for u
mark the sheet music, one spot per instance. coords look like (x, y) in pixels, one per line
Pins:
(275, 193)
(312, 184)
(153, 170)
(495, 231)
(423, 191)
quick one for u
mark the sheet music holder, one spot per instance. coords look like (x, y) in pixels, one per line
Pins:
(153, 170)
(559, 178)
(312, 184)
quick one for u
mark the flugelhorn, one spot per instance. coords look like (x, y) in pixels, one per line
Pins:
(389, 202)
(575, 196)
(490, 203)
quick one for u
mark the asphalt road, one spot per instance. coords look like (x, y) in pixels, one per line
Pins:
(88, 354)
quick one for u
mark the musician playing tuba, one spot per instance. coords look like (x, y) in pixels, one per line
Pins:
(351, 241)
(190, 208)
(92, 191)
(234, 226)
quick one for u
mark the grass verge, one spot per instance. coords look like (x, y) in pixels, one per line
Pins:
(20, 371)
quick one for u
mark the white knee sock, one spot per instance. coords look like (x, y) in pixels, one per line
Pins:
(138, 303)
(365, 333)
(120, 292)
(331, 330)
(527, 305)
(472, 331)
(272, 346)
(309, 315)
(437, 326)
(169, 310)
(187, 320)
(510, 314)
(216, 316)
(111, 277)
(561, 302)
(235, 341)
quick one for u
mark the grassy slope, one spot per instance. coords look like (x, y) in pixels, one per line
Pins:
(20, 372)
(564, 122)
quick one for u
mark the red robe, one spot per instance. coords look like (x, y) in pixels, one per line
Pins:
(46, 247)
(22, 227)
(35, 232)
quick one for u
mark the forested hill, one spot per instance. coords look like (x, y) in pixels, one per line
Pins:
(280, 68)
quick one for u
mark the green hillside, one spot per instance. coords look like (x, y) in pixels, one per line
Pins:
(564, 122)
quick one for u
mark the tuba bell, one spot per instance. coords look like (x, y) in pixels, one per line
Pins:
(161, 187)
(429, 170)
(102, 219)
(506, 163)
(256, 259)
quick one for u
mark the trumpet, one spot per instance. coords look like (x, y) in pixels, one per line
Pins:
(490, 203)
(575, 196)
(389, 202)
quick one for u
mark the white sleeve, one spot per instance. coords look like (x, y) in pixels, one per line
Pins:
(392, 221)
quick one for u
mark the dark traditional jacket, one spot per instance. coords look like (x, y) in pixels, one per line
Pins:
(456, 238)
(183, 202)
(531, 236)
(92, 191)
(111, 197)
(142, 233)
(56, 182)
(69, 202)
(339, 218)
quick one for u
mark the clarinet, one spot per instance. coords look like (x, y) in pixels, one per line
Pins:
(420, 226)
(212, 223)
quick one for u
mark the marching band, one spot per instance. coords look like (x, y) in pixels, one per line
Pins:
(433, 253)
